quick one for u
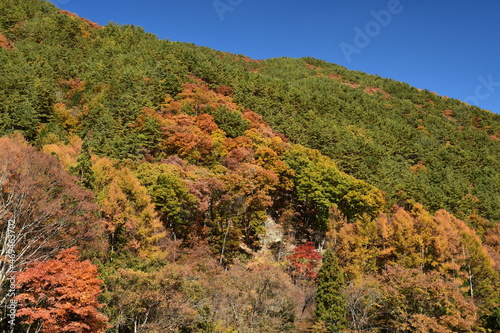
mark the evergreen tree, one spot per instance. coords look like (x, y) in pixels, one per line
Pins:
(331, 306)
(83, 168)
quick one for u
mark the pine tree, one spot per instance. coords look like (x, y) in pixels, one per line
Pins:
(84, 167)
(331, 306)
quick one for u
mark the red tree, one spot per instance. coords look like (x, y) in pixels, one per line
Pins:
(305, 261)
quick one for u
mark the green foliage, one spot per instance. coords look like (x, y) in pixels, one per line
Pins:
(177, 207)
(319, 182)
(231, 122)
(331, 306)
(192, 134)
(83, 168)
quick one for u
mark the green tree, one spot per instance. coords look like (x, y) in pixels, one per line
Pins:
(331, 305)
(83, 167)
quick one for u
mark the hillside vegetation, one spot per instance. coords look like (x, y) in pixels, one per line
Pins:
(193, 190)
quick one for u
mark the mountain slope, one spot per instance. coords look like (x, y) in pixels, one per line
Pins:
(210, 170)
(409, 143)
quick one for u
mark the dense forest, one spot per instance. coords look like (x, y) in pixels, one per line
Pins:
(158, 186)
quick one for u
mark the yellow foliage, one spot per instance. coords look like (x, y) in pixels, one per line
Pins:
(66, 153)
(128, 209)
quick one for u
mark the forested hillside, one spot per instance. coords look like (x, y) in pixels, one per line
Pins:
(157, 186)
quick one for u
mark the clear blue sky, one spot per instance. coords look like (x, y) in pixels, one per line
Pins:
(450, 47)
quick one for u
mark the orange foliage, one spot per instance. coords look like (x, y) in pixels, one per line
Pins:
(492, 239)
(224, 90)
(91, 24)
(5, 43)
(182, 136)
(197, 96)
(75, 85)
(425, 302)
(372, 90)
(448, 114)
(418, 168)
(239, 142)
(206, 123)
(61, 295)
(256, 122)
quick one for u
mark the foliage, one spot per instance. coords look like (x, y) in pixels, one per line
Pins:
(191, 153)
(305, 260)
(61, 295)
(47, 209)
(331, 305)
(130, 221)
(421, 302)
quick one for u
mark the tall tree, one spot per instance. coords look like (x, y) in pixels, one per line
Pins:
(84, 167)
(331, 305)
(47, 210)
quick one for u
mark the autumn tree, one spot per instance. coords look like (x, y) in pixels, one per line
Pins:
(424, 302)
(129, 214)
(48, 210)
(255, 298)
(304, 261)
(60, 295)
(182, 136)
(363, 298)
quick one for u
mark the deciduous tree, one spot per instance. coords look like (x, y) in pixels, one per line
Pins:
(60, 295)
(48, 210)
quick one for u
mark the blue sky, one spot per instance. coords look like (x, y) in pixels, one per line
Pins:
(452, 48)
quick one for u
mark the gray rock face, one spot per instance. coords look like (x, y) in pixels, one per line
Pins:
(274, 233)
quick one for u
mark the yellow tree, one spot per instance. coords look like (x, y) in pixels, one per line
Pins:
(130, 218)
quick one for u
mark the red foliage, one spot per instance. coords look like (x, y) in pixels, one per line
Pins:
(372, 90)
(305, 261)
(311, 66)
